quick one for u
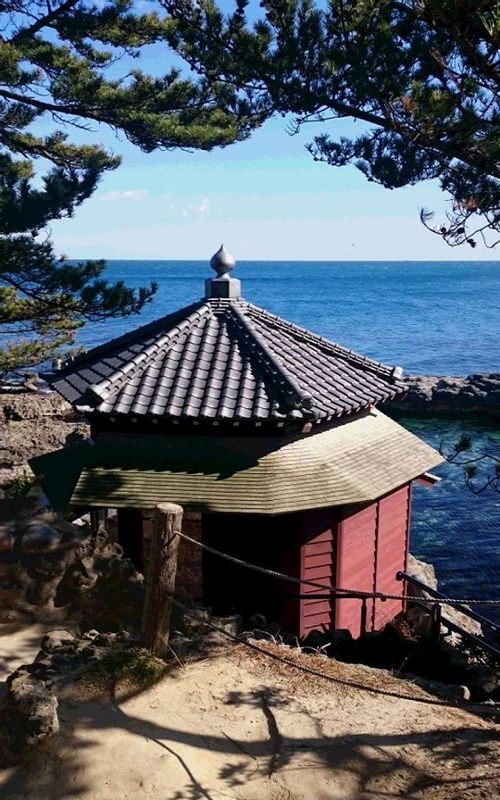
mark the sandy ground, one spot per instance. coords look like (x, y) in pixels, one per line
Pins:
(19, 643)
(238, 725)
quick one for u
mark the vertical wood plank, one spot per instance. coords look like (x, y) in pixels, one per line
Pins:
(393, 525)
(317, 527)
(160, 581)
(355, 565)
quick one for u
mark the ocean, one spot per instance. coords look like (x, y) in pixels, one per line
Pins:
(435, 318)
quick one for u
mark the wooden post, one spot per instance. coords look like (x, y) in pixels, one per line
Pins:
(160, 580)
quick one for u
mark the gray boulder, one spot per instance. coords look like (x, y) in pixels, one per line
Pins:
(40, 537)
(57, 638)
(29, 713)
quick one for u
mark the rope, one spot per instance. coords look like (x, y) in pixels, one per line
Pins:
(264, 570)
(450, 601)
(464, 704)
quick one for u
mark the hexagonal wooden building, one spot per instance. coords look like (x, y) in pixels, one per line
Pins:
(269, 437)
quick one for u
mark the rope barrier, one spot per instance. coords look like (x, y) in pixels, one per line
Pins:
(450, 601)
(464, 705)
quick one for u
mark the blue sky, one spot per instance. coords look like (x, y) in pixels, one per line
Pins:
(264, 198)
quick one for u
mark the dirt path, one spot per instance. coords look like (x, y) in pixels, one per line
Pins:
(239, 726)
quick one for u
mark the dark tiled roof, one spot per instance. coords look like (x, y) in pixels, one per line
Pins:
(225, 360)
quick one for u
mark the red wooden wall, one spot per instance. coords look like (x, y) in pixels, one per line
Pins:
(356, 540)
(391, 551)
(362, 551)
(317, 563)
(358, 549)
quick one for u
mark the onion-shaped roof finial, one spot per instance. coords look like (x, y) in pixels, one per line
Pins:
(222, 261)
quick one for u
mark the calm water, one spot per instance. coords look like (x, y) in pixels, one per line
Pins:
(432, 317)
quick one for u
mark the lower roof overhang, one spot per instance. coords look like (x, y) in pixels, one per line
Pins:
(352, 462)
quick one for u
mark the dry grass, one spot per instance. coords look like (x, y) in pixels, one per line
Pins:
(291, 665)
(123, 670)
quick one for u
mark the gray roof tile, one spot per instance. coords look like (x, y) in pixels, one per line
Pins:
(225, 359)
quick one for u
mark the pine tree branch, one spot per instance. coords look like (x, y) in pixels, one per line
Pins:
(43, 22)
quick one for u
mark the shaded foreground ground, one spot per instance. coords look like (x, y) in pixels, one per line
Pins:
(238, 725)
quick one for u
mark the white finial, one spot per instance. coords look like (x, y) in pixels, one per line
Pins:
(222, 261)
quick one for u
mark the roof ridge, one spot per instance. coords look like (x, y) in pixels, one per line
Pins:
(302, 399)
(145, 357)
(330, 346)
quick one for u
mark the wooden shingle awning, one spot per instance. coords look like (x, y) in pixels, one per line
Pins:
(351, 462)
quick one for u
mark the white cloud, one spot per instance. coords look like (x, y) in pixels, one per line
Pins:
(199, 210)
(203, 208)
(129, 194)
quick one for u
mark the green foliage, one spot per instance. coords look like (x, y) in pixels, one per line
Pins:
(21, 485)
(122, 664)
(59, 59)
(69, 62)
(44, 299)
(422, 75)
(463, 444)
(481, 468)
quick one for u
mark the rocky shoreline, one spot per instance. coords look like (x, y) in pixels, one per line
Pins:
(434, 395)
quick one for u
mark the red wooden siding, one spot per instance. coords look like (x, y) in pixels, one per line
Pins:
(391, 552)
(363, 551)
(355, 565)
(317, 563)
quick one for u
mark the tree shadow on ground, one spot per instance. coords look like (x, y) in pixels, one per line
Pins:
(28, 636)
(439, 763)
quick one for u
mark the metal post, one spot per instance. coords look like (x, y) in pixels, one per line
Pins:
(436, 624)
(364, 612)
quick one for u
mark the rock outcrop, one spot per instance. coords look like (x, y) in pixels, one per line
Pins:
(426, 573)
(51, 569)
(450, 396)
(32, 423)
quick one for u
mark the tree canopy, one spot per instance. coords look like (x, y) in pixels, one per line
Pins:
(67, 65)
(422, 75)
